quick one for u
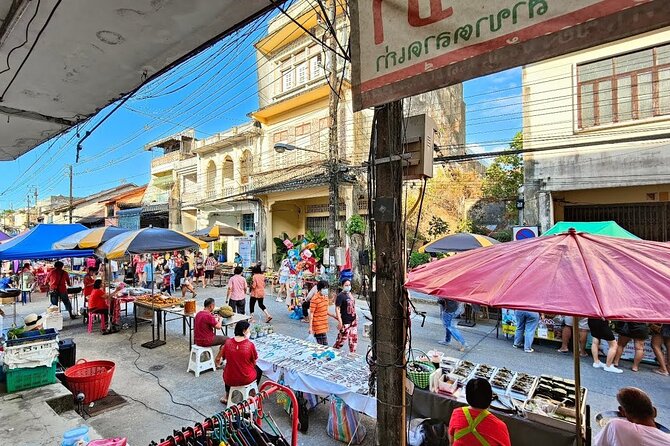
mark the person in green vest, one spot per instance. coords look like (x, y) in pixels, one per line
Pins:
(474, 425)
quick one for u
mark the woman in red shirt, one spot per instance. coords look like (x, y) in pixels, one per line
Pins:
(240, 355)
(98, 302)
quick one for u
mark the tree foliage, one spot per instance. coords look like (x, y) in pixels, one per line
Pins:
(437, 227)
(504, 177)
(449, 196)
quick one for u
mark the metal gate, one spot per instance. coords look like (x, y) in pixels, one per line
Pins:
(648, 221)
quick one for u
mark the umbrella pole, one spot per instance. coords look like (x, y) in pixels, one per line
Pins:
(578, 384)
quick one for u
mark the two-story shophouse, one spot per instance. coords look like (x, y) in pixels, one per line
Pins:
(600, 119)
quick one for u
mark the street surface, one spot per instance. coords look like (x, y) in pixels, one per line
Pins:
(151, 415)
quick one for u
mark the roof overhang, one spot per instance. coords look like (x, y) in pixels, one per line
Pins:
(293, 30)
(270, 113)
(81, 56)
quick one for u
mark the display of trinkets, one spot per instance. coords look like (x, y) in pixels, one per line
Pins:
(296, 355)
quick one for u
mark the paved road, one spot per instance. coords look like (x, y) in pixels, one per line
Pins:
(152, 414)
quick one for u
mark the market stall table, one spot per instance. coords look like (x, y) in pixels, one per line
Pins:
(317, 369)
(163, 313)
(523, 432)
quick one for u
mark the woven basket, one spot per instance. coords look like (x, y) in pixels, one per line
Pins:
(421, 379)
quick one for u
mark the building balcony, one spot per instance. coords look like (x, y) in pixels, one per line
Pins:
(168, 162)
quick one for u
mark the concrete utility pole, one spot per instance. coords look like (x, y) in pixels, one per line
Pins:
(333, 147)
(28, 210)
(390, 303)
(37, 211)
(70, 207)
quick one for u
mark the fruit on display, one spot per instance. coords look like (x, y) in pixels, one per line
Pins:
(226, 311)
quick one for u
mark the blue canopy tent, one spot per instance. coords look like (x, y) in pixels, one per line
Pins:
(38, 243)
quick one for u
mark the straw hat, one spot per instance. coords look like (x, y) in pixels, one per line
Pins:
(32, 321)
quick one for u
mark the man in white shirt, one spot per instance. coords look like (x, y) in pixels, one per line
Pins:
(638, 428)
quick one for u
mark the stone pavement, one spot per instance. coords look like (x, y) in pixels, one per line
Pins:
(151, 412)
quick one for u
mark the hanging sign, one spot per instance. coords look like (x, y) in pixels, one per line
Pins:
(401, 48)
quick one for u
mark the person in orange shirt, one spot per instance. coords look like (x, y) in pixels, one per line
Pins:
(257, 293)
(318, 313)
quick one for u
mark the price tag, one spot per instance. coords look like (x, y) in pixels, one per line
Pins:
(542, 332)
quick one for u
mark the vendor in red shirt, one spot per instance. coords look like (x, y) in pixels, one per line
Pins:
(474, 425)
(89, 279)
(205, 326)
(98, 302)
(240, 355)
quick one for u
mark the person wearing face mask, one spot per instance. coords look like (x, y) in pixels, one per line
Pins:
(241, 356)
(318, 316)
(347, 321)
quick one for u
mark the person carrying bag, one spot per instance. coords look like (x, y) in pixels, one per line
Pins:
(58, 280)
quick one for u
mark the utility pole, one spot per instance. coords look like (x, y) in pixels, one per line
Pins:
(333, 147)
(37, 211)
(70, 207)
(28, 210)
(390, 317)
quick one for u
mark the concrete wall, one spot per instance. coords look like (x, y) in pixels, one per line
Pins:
(591, 158)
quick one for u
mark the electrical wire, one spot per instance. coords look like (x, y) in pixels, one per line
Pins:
(9, 54)
(158, 380)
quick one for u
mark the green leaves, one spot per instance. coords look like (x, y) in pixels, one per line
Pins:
(504, 177)
(355, 225)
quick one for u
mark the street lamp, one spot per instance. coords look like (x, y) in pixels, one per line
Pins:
(282, 147)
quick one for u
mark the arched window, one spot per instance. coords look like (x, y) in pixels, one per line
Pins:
(246, 166)
(228, 172)
(210, 178)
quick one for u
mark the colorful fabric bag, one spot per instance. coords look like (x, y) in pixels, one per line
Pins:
(344, 423)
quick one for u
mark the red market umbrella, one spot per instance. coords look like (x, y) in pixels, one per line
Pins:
(570, 273)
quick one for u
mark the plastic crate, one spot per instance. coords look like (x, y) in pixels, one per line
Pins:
(29, 378)
(48, 334)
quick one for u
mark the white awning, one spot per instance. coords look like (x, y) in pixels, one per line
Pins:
(82, 55)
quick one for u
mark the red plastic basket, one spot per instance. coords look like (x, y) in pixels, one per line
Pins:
(92, 378)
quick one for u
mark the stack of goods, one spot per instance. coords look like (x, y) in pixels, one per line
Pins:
(30, 358)
(455, 373)
(160, 301)
(553, 402)
(53, 318)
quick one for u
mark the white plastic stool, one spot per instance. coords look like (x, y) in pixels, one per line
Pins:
(245, 391)
(197, 364)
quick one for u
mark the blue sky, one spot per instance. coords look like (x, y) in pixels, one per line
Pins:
(212, 92)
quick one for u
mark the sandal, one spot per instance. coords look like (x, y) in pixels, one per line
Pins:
(267, 321)
(223, 400)
(661, 372)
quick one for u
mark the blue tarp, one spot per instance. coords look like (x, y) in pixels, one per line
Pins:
(37, 243)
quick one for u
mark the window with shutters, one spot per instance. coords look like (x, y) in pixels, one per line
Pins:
(316, 68)
(287, 80)
(302, 73)
(624, 88)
